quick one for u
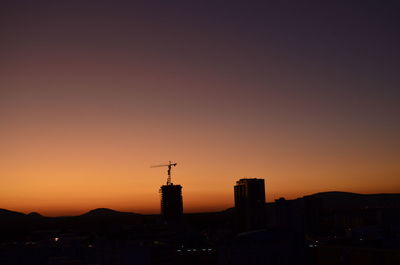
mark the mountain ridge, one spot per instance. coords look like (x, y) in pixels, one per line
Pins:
(106, 212)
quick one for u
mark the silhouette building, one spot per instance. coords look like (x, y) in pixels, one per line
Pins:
(171, 203)
(250, 204)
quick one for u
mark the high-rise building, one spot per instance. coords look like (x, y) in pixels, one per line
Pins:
(250, 204)
(171, 203)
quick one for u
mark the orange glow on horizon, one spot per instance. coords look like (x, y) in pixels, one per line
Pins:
(68, 169)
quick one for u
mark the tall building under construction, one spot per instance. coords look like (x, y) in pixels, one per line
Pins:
(250, 204)
(171, 198)
(171, 203)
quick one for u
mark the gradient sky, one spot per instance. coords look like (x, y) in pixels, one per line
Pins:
(92, 93)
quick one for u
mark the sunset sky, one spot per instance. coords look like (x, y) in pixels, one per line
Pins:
(305, 94)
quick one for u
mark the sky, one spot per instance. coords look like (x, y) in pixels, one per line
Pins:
(304, 94)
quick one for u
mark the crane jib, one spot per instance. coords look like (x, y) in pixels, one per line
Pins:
(169, 165)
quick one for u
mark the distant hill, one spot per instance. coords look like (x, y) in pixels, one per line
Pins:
(15, 225)
(100, 212)
(105, 212)
(7, 214)
(334, 194)
(336, 200)
(351, 195)
(35, 215)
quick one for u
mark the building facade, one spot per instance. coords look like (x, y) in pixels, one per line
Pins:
(171, 203)
(250, 204)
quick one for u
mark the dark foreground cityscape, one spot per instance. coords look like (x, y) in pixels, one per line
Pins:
(328, 228)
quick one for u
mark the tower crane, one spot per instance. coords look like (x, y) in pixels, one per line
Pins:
(169, 165)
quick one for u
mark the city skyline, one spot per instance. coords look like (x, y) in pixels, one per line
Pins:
(93, 94)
